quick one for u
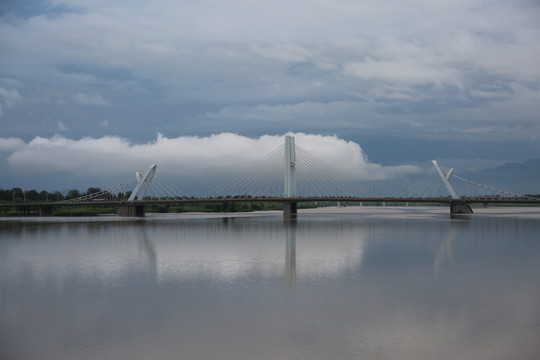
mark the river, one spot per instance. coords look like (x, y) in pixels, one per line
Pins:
(338, 283)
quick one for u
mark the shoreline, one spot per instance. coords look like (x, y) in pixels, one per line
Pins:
(402, 211)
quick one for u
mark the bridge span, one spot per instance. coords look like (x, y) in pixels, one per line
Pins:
(290, 205)
(288, 175)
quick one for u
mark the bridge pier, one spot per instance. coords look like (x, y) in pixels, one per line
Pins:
(131, 210)
(460, 208)
(290, 209)
(23, 209)
(46, 211)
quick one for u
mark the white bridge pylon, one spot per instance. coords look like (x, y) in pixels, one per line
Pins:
(445, 176)
(290, 167)
(144, 181)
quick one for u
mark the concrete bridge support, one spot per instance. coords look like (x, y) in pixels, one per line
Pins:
(290, 209)
(457, 208)
(23, 209)
(46, 211)
(131, 210)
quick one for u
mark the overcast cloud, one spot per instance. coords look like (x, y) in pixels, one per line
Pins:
(416, 73)
(110, 160)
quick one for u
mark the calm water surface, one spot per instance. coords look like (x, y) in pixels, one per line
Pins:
(400, 284)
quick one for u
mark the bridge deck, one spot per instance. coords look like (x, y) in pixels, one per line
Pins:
(439, 200)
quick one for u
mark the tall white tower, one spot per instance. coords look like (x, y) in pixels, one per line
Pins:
(290, 167)
(143, 183)
(445, 177)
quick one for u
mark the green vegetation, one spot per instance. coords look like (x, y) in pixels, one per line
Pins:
(84, 211)
(18, 195)
(12, 212)
(213, 207)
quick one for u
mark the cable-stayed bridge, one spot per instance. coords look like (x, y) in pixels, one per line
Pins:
(288, 175)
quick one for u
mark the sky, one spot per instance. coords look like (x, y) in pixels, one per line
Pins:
(92, 91)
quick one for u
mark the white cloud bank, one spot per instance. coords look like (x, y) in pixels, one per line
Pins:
(11, 144)
(116, 159)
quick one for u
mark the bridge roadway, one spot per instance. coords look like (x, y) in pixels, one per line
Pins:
(289, 204)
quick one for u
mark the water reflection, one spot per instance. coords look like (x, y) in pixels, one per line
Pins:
(445, 253)
(229, 248)
(364, 287)
(290, 255)
(226, 249)
(219, 249)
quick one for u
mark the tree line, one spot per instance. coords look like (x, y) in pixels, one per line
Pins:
(19, 195)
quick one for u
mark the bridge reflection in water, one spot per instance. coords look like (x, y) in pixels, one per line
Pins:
(442, 256)
(290, 254)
